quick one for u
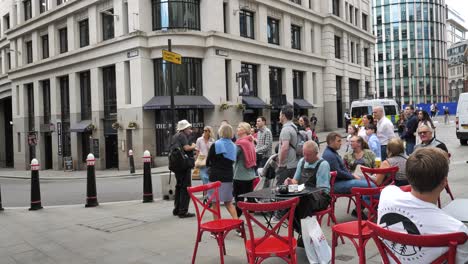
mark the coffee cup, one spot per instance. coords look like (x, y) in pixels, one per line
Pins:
(378, 162)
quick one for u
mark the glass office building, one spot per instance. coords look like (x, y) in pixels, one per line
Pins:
(410, 55)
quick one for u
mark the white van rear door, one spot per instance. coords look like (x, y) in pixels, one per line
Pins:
(462, 113)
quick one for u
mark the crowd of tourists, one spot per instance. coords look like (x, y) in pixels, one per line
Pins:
(233, 155)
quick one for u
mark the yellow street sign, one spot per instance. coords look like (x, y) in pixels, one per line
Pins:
(172, 57)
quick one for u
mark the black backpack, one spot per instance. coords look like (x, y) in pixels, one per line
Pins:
(179, 160)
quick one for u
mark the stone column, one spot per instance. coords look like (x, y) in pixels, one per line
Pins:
(2, 137)
(233, 17)
(55, 116)
(93, 24)
(20, 52)
(307, 37)
(71, 33)
(35, 8)
(75, 116)
(209, 21)
(262, 24)
(119, 19)
(288, 85)
(13, 15)
(285, 31)
(140, 17)
(35, 46)
(97, 107)
(4, 61)
(52, 32)
(318, 39)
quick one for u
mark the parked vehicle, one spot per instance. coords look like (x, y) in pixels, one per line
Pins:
(461, 119)
(364, 107)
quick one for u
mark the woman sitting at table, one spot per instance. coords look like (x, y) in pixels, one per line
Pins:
(395, 157)
(313, 172)
(359, 154)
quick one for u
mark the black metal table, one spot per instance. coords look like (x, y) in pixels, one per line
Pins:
(270, 195)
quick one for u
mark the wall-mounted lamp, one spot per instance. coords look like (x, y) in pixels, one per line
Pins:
(109, 13)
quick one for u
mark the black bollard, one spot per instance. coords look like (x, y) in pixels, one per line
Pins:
(147, 185)
(35, 187)
(132, 161)
(91, 196)
(1, 208)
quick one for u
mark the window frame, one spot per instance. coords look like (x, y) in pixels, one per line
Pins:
(337, 47)
(249, 24)
(298, 84)
(191, 67)
(189, 20)
(27, 5)
(110, 92)
(108, 25)
(63, 40)
(43, 6)
(252, 80)
(296, 37)
(85, 95)
(336, 7)
(273, 30)
(83, 25)
(45, 46)
(29, 52)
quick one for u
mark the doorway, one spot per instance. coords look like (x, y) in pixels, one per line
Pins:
(48, 151)
(112, 154)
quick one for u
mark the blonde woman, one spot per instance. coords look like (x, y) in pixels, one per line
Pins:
(203, 146)
(244, 168)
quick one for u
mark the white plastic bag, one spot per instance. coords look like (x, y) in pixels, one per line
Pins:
(315, 243)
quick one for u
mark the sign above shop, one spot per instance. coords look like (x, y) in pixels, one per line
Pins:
(172, 57)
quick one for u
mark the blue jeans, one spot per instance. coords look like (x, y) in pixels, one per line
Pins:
(346, 186)
(409, 147)
(204, 175)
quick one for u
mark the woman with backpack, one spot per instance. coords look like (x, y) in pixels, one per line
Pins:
(244, 168)
(220, 160)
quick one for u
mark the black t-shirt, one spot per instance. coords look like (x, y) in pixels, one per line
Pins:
(180, 140)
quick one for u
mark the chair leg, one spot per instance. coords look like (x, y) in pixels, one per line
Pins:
(196, 247)
(334, 242)
(349, 205)
(438, 202)
(221, 247)
(447, 189)
(362, 255)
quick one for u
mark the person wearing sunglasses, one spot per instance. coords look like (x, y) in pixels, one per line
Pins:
(426, 134)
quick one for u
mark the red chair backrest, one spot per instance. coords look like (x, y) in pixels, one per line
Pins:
(451, 240)
(333, 175)
(406, 188)
(371, 206)
(249, 208)
(200, 207)
(388, 180)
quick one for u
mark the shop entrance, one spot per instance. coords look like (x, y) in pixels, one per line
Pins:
(112, 154)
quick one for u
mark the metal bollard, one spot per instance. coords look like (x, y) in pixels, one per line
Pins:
(1, 208)
(132, 161)
(147, 184)
(35, 186)
(91, 196)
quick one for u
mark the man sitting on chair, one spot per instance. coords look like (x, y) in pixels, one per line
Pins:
(311, 171)
(416, 212)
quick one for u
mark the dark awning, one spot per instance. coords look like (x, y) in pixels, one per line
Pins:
(302, 104)
(81, 126)
(180, 102)
(253, 102)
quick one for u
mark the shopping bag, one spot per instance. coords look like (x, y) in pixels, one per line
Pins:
(196, 174)
(315, 243)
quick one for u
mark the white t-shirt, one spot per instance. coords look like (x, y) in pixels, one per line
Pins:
(385, 130)
(401, 211)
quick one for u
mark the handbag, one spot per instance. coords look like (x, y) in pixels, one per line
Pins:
(196, 174)
(201, 161)
(315, 243)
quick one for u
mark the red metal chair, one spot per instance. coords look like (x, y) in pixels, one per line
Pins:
(406, 188)
(451, 240)
(388, 180)
(330, 211)
(218, 227)
(335, 196)
(271, 244)
(357, 231)
(447, 189)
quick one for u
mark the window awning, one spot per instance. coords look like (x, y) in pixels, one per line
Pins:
(180, 102)
(302, 104)
(81, 126)
(253, 102)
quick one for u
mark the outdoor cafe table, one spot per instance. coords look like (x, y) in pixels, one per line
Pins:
(271, 195)
(458, 209)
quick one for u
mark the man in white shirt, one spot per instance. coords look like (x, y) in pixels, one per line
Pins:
(385, 130)
(416, 212)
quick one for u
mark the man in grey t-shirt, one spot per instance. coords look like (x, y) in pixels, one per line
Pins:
(287, 160)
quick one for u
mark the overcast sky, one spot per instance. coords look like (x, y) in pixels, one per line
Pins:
(461, 6)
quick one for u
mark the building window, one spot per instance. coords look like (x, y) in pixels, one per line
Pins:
(352, 52)
(298, 84)
(27, 9)
(273, 30)
(296, 1)
(169, 14)
(63, 40)
(59, 2)
(8, 60)
(46, 100)
(337, 47)
(364, 22)
(336, 7)
(29, 52)
(45, 46)
(110, 93)
(65, 142)
(30, 99)
(246, 23)
(295, 37)
(107, 24)
(85, 95)
(276, 82)
(6, 21)
(84, 32)
(366, 57)
(43, 6)
(249, 84)
(351, 14)
(186, 77)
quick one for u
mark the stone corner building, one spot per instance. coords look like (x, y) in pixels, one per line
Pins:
(84, 76)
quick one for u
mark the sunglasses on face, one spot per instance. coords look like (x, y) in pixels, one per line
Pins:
(423, 132)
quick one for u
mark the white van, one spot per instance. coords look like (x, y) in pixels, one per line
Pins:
(364, 107)
(461, 120)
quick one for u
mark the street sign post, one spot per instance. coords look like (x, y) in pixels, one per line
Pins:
(172, 58)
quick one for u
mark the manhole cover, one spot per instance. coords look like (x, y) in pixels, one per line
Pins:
(114, 224)
(344, 257)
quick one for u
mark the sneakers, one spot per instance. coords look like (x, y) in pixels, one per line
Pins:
(274, 220)
(238, 233)
(186, 215)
